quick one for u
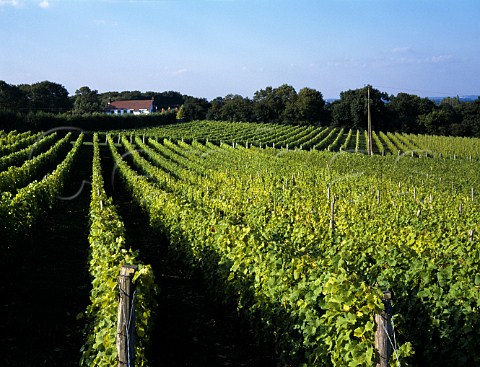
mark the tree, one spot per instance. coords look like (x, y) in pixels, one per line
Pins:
(87, 101)
(470, 117)
(168, 99)
(195, 108)
(232, 108)
(275, 104)
(47, 96)
(351, 109)
(181, 113)
(12, 98)
(452, 101)
(310, 107)
(439, 120)
(285, 98)
(405, 110)
(215, 112)
(264, 105)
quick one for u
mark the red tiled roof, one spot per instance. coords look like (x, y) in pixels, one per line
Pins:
(141, 104)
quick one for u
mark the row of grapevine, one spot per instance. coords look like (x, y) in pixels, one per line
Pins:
(223, 239)
(347, 141)
(19, 211)
(304, 241)
(17, 141)
(378, 146)
(333, 145)
(448, 147)
(15, 177)
(319, 138)
(18, 157)
(108, 252)
(11, 137)
(397, 225)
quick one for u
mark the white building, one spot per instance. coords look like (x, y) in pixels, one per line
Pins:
(135, 107)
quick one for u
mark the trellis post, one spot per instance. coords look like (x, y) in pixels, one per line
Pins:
(383, 332)
(126, 317)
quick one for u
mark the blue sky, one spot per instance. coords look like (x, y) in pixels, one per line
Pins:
(211, 48)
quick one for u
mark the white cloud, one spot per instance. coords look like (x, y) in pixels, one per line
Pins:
(407, 55)
(20, 3)
(44, 4)
(347, 63)
(438, 59)
(179, 72)
(105, 23)
(400, 50)
(435, 59)
(10, 2)
(175, 72)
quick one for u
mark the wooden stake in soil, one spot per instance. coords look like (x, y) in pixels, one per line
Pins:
(332, 214)
(383, 332)
(126, 317)
(369, 124)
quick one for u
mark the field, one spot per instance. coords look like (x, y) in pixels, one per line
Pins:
(291, 231)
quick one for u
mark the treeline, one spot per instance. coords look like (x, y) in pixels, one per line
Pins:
(403, 112)
(47, 105)
(50, 97)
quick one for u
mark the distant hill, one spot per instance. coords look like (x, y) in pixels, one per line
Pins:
(469, 98)
(437, 100)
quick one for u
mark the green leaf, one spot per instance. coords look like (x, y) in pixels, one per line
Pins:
(477, 279)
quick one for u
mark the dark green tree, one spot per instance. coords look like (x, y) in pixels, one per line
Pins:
(285, 97)
(87, 101)
(215, 112)
(170, 99)
(470, 117)
(310, 107)
(275, 104)
(47, 97)
(195, 108)
(351, 109)
(439, 121)
(236, 108)
(264, 105)
(452, 101)
(12, 98)
(404, 111)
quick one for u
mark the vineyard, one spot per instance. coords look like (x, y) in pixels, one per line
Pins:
(294, 226)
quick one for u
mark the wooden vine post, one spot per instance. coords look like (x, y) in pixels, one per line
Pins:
(383, 332)
(332, 214)
(126, 317)
(369, 124)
